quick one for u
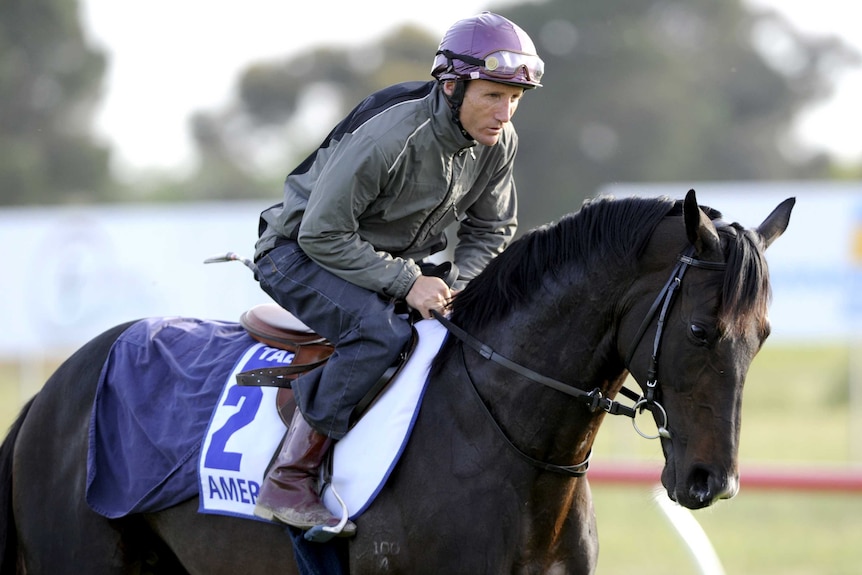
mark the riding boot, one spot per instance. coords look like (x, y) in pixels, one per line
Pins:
(290, 492)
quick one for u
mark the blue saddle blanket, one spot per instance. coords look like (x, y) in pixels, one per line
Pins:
(142, 457)
(169, 422)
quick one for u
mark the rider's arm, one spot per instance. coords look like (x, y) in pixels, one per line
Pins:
(329, 233)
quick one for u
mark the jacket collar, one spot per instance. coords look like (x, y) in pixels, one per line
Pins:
(452, 138)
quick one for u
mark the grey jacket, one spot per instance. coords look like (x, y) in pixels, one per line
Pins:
(378, 193)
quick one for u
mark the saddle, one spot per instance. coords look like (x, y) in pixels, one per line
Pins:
(276, 327)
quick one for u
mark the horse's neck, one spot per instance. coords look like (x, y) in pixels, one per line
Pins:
(539, 421)
(545, 423)
(572, 341)
(570, 338)
(457, 467)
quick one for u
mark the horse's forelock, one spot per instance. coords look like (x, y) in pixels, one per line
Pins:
(746, 289)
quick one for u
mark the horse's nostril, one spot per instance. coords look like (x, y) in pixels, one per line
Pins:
(701, 485)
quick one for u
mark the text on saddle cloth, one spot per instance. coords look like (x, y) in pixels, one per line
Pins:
(274, 326)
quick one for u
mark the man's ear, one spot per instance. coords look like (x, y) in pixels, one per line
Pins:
(449, 87)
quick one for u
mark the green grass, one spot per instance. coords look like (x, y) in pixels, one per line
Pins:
(757, 533)
(18, 383)
(796, 413)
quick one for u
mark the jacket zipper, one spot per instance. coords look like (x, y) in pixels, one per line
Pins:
(445, 200)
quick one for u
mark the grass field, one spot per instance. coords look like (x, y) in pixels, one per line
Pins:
(796, 414)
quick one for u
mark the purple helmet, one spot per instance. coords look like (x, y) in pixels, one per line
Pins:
(488, 47)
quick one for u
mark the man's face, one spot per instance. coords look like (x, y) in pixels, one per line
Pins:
(486, 108)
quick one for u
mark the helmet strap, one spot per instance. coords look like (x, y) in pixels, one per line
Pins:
(455, 101)
(466, 58)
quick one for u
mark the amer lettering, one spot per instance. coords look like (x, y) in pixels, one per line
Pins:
(233, 489)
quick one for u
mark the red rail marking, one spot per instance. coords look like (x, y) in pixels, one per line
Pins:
(811, 478)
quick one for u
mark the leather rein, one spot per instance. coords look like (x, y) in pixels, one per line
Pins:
(595, 400)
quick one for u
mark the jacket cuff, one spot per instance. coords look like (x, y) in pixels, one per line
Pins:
(405, 280)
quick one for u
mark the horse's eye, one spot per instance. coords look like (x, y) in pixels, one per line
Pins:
(699, 333)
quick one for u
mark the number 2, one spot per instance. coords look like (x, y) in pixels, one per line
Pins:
(217, 457)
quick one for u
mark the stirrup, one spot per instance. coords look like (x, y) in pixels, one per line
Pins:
(323, 533)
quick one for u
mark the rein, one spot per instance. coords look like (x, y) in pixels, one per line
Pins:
(577, 470)
(595, 400)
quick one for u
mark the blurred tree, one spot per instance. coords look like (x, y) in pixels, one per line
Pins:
(49, 82)
(286, 108)
(661, 90)
(671, 90)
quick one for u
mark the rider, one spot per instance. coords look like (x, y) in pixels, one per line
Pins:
(361, 213)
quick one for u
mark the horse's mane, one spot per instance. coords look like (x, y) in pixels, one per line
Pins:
(602, 229)
(606, 229)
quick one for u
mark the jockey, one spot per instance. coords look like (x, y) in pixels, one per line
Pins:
(364, 210)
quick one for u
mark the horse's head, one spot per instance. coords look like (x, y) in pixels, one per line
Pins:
(690, 347)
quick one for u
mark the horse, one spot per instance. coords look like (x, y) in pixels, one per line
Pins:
(494, 476)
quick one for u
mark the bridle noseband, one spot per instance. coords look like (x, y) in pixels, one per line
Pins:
(595, 400)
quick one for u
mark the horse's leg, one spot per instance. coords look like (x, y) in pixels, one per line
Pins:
(583, 541)
(214, 544)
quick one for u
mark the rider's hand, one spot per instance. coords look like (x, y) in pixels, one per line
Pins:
(427, 293)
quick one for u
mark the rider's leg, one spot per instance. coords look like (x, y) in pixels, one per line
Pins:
(290, 492)
(368, 338)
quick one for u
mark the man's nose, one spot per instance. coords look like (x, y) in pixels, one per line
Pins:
(506, 111)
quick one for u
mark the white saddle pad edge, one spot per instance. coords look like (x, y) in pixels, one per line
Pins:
(364, 459)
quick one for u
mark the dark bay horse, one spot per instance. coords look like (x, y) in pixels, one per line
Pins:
(492, 479)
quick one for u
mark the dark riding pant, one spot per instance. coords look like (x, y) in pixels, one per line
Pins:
(367, 333)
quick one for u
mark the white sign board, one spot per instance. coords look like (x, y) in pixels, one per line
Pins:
(72, 272)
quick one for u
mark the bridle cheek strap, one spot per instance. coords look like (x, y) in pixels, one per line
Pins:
(663, 300)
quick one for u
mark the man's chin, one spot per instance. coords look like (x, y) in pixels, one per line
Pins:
(490, 140)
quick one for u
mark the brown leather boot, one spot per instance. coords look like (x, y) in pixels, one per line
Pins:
(290, 492)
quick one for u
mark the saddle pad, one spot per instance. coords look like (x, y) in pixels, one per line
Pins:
(243, 436)
(244, 433)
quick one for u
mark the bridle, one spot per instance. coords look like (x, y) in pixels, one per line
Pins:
(664, 300)
(595, 399)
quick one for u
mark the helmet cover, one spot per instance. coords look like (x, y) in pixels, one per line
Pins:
(488, 47)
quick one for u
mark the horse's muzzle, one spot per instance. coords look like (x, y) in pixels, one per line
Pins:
(703, 486)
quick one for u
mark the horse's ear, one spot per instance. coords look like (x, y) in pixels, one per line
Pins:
(776, 222)
(700, 229)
